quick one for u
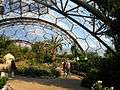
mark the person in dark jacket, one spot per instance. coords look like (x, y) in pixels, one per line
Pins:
(13, 68)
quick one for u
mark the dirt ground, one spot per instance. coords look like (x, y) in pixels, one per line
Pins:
(26, 83)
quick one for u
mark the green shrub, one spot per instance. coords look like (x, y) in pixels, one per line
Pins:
(90, 79)
(55, 73)
(80, 66)
(32, 71)
(109, 72)
(3, 81)
(38, 70)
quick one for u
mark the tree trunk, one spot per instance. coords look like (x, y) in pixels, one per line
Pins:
(53, 53)
(116, 66)
(53, 57)
(116, 35)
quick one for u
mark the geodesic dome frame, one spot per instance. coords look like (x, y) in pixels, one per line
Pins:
(70, 16)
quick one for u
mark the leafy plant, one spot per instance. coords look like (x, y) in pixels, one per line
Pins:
(36, 70)
(98, 86)
(3, 81)
(90, 78)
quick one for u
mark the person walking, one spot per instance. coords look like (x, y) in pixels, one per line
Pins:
(64, 68)
(68, 66)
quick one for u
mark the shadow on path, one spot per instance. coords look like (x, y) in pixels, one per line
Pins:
(72, 83)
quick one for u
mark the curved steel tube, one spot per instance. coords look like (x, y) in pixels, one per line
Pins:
(34, 20)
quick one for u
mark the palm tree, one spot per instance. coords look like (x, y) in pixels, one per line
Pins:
(75, 51)
(48, 47)
(38, 49)
(55, 45)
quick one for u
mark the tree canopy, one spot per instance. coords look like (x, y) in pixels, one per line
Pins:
(109, 7)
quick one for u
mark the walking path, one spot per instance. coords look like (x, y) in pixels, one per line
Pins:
(26, 83)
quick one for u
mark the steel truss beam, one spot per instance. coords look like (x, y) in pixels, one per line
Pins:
(106, 20)
(34, 20)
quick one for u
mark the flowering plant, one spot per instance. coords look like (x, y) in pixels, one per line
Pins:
(98, 86)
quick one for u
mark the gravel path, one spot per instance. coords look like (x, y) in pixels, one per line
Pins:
(26, 83)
